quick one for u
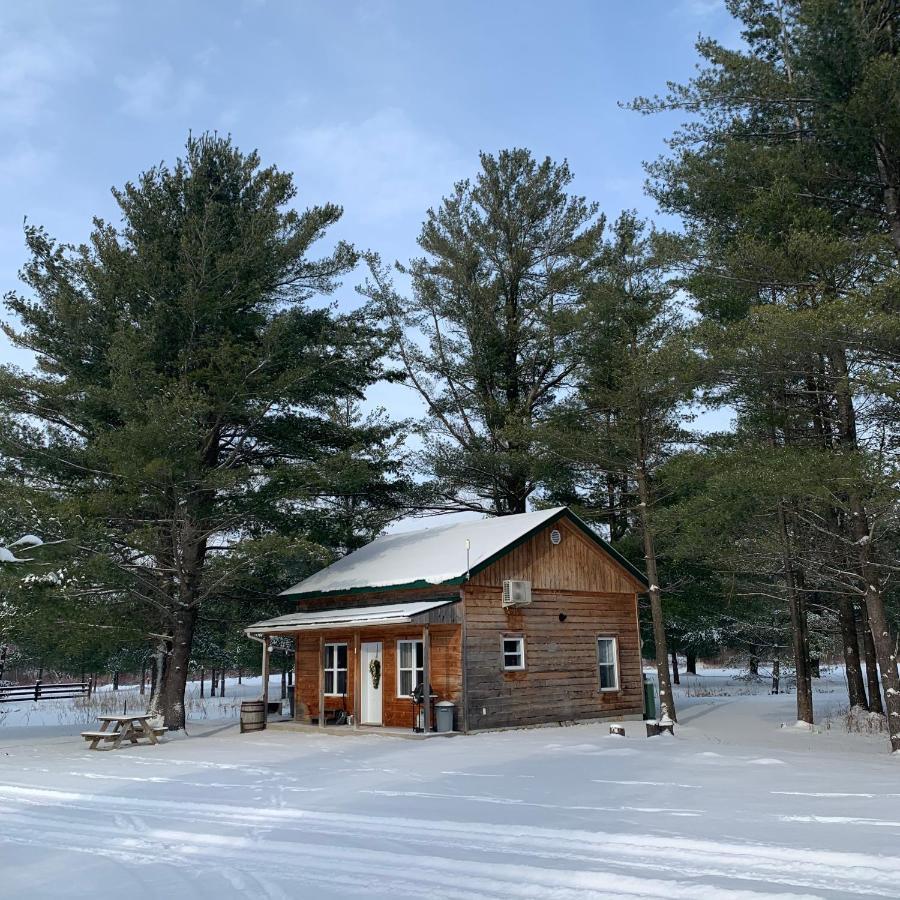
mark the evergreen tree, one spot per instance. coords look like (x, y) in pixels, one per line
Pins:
(180, 411)
(486, 336)
(784, 179)
(635, 381)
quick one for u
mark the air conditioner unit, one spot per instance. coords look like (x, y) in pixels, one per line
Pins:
(516, 593)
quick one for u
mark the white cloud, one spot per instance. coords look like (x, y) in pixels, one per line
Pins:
(23, 161)
(703, 8)
(157, 91)
(378, 168)
(32, 68)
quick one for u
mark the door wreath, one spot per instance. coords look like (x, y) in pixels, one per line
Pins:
(375, 672)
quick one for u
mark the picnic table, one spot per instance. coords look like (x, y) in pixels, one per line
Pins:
(131, 727)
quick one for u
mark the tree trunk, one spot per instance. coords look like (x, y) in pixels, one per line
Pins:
(143, 678)
(213, 682)
(891, 192)
(115, 684)
(3, 651)
(799, 628)
(885, 650)
(179, 660)
(666, 697)
(202, 683)
(676, 677)
(158, 669)
(776, 676)
(240, 674)
(222, 682)
(872, 679)
(884, 640)
(753, 666)
(691, 663)
(856, 689)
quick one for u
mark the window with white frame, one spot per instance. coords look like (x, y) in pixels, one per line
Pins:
(608, 663)
(410, 666)
(336, 669)
(513, 653)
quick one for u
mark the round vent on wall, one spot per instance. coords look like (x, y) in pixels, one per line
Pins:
(555, 537)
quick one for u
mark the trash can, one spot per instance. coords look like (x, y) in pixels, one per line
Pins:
(444, 715)
(649, 698)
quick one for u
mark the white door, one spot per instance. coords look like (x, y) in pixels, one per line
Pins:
(370, 663)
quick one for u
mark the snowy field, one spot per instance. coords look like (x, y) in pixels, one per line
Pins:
(734, 806)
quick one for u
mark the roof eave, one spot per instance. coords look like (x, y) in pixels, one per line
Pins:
(420, 584)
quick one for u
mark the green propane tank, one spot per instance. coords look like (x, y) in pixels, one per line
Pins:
(649, 699)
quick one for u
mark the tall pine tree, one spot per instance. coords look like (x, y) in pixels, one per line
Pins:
(181, 410)
(486, 334)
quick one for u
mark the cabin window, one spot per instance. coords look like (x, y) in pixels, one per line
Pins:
(513, 654)
(335, 669)
(410, 666)
(608, 662)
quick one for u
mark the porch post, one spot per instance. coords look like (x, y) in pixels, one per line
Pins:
(357, 680)
(321, 681)
(426, 677)
(294, 687)
(265, 673)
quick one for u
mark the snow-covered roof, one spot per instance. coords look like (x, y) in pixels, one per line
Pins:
(432, 556)
(390, 614)
(426, 556)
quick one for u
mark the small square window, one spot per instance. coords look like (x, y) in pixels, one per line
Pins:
(513, 649)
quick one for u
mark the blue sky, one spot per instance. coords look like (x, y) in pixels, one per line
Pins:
(378, 105)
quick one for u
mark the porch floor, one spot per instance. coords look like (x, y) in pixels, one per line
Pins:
(349, 731)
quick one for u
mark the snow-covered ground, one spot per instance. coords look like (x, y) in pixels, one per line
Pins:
(734, 806)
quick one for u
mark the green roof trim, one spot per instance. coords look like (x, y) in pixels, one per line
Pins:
(582, 526)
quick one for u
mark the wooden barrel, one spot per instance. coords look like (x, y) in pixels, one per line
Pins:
(253, 715)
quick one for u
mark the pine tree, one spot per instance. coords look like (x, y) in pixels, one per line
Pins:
(180, 411)
(486, 335)
(635, 380)
(785, 179)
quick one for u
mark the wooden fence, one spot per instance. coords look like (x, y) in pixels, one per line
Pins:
(40, 691)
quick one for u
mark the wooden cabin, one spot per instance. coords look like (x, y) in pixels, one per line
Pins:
(519, 620)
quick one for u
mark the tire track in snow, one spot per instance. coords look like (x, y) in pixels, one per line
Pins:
(356, 870)
(833, 872)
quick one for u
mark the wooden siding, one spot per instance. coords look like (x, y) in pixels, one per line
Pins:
(376, 598)
(446, 669)
(575, 564)
(561, 679)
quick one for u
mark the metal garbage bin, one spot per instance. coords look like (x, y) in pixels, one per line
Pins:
(444, 715)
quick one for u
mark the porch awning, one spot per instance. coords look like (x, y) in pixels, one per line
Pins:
(348, 617)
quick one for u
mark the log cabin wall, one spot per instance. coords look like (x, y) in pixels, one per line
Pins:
(446, 669)
(373, 598)
(560, 682)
